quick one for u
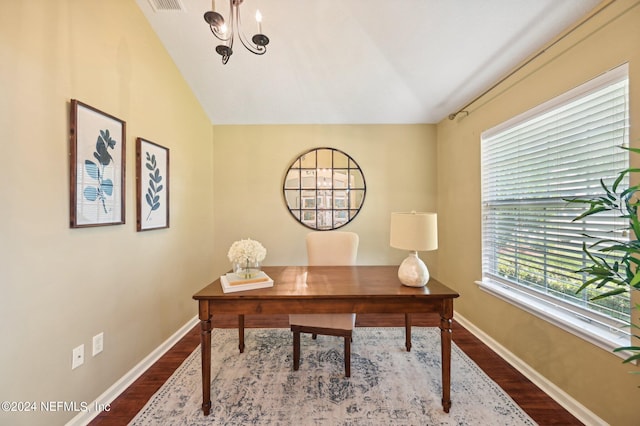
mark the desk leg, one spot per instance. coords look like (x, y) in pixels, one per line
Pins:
(241, 333)
(205, 347)
(407, 331)
(446, 317)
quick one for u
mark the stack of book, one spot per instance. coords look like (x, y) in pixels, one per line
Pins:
(232, 282)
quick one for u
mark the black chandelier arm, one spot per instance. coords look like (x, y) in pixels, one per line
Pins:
(258, 45)
(224, 51)
(218, 34)
(216, 22)
(259, 41)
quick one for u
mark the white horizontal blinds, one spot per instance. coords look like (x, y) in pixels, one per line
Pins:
(529, 167)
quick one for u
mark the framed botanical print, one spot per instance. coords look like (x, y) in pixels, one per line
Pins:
(152, 178)
(97, 167)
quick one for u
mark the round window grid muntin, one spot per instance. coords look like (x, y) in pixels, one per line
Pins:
(320, 209)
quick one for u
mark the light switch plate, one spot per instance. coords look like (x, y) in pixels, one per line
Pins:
(98, 343)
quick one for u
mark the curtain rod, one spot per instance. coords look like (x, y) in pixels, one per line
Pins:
(452, 116)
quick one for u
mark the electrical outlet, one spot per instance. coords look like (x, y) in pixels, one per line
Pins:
(98, 343)
(77, 357)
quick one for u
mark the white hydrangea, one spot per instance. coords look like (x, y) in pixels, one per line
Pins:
(248, 250)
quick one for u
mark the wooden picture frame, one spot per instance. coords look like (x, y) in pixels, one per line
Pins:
(152, 181)
(97, 167)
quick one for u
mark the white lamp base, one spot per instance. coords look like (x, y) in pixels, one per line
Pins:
(413, 272)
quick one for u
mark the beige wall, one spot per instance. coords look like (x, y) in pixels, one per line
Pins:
(60, 286)
(593, 376)
(250, 163)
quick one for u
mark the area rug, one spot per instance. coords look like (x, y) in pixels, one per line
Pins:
(388, 386)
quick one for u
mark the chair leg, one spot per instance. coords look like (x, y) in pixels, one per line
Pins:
(407, 331)
(314, 336)
(296, 350)
(241, 333)
(347, 356)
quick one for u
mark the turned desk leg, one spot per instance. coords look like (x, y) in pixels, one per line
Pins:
(407, 331)
(445, 336)
(296, 349)
(241, 333)
(205, 347)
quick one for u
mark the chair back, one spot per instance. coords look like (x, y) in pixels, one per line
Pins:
(331, 248)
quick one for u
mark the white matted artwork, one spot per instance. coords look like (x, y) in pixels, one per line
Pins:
(97, 153)
(152, 177)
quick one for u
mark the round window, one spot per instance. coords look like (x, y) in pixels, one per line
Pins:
(324, 189)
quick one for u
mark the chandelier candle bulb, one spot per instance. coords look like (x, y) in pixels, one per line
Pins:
(259, 20)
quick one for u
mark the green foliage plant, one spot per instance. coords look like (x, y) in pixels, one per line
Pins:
(620, 273)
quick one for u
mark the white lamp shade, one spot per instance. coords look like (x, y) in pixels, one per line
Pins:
(414, 231)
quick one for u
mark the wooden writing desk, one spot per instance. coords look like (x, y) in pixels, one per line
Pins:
(328, 289)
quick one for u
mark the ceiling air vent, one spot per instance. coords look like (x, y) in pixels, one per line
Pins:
(167, 5)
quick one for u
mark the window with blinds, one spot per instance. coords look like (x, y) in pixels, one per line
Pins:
(530, 166)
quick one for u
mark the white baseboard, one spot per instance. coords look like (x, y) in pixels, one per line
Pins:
(581, 412)
(125, 381)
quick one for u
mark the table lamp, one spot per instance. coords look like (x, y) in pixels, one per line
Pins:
(414, 232)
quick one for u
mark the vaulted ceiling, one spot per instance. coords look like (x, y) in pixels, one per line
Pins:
(356, 61)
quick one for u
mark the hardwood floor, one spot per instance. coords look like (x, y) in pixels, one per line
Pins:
(543, 409)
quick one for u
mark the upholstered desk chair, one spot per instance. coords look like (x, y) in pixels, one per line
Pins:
(325, 248)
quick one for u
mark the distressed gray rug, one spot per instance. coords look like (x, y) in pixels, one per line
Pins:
(388, 386)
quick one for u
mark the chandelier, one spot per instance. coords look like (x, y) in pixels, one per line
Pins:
(226, 34)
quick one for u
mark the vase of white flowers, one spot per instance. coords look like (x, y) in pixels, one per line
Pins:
(246, 257)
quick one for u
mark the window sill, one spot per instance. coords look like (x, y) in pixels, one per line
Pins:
(600, 336)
